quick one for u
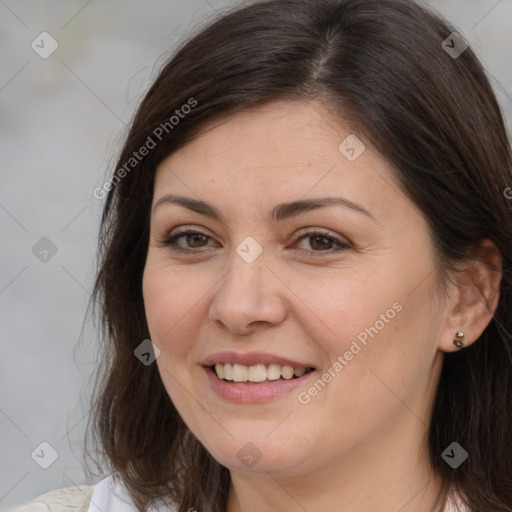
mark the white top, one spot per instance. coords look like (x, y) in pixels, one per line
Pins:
(110, 495)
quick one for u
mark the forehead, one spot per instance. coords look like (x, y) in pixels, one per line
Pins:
(278, 132)
(282, 150)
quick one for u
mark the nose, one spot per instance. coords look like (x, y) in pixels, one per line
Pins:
(249, 297)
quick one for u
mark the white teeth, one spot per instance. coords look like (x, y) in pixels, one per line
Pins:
(273, 372)
(256, 373)
(287, 372)
(300, 371)
(240, 373)
(228, 371)
(219, 368)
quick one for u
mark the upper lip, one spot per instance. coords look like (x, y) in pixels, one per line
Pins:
(252, 359)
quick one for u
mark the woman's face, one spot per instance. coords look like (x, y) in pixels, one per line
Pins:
(341, 295)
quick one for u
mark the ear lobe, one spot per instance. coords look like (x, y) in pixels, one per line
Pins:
(475, 294)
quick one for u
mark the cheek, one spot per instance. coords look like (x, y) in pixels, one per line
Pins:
(172, 303)
(381, 335)
(352, 307)
(171, 300)
(373, 322)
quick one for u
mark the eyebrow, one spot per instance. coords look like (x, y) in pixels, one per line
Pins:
(280, 212)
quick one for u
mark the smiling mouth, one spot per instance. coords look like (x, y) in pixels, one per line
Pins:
(256, 374)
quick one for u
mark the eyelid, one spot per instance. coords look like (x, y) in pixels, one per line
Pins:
(343, 244)
(324, 232)
(168, 238)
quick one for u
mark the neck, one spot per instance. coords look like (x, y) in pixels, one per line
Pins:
(383, 474)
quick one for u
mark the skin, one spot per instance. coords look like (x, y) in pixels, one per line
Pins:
(360, 443)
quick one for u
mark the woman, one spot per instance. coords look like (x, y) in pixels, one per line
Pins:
(310, 222)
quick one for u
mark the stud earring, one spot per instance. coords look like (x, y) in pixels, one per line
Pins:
(458, 340)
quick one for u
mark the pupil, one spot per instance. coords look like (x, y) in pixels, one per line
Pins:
(326, 242)
(195, 238)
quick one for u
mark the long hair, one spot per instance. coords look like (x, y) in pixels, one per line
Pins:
(382, 66)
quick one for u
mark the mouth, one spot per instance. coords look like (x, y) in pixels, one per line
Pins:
(257, 374)
(255, 377)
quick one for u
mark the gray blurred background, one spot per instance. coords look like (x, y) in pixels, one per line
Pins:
(63, 115)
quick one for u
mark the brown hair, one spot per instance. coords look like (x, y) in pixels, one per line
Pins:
(380, 65)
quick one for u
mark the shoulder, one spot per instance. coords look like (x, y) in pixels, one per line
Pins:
(67, 499)
(108, 494)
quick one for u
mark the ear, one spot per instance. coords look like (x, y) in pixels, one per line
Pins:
(473, 295)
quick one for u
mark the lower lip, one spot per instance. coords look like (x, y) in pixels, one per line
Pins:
(241, 392)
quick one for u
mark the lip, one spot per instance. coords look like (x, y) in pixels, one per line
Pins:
(255, 392)
(243, 393)
(251, 359)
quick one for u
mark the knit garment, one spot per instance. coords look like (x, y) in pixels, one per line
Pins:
(110, 495)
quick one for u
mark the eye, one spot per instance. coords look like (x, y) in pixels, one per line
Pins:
(321, 241)
(193, 239)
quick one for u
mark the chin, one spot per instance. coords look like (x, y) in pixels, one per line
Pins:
(258, 455)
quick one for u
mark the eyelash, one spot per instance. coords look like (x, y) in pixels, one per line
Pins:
(170, 241)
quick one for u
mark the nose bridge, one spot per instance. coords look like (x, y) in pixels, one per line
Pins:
(246, 274)
(246, 294)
